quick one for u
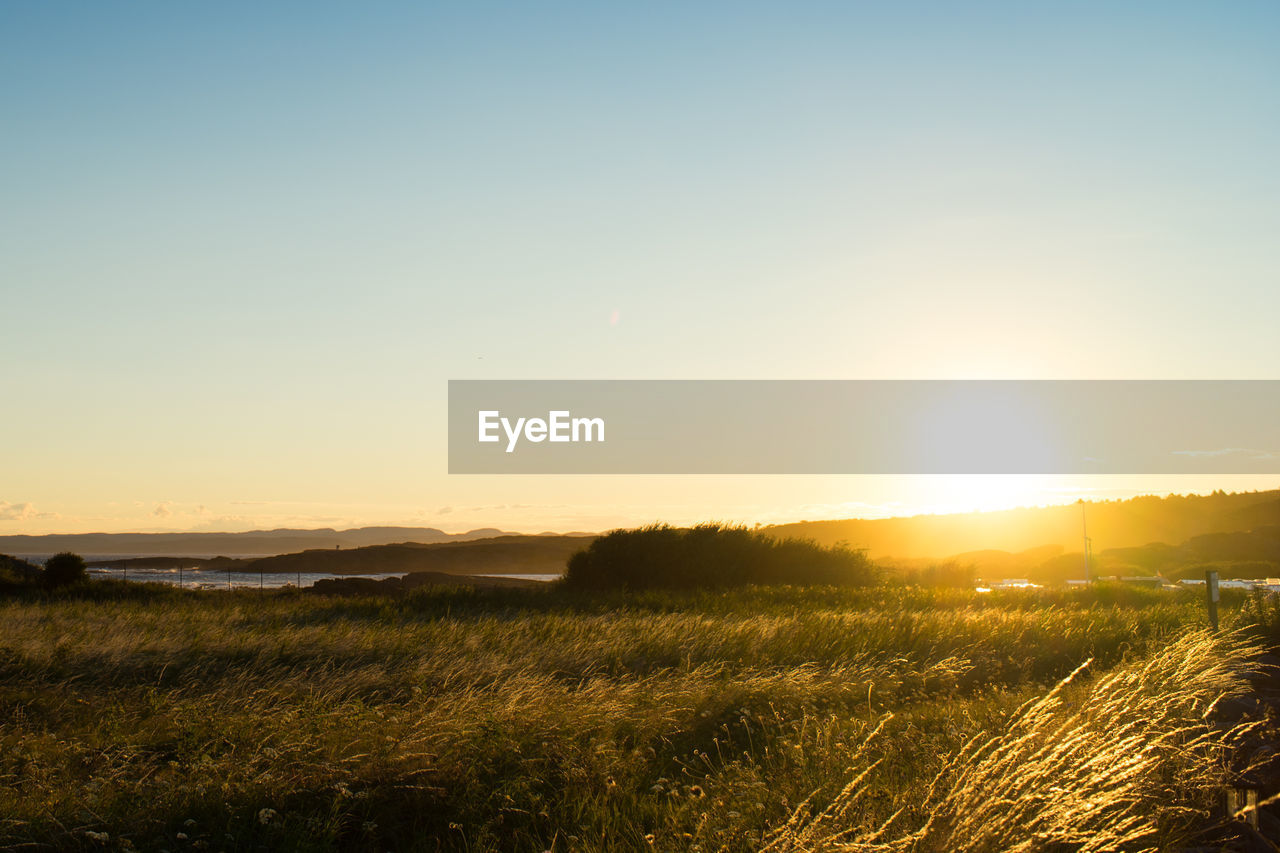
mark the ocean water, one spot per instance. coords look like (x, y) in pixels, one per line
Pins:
(216, 579)
(525, 576)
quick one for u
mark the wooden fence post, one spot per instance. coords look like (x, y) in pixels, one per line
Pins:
(1211, 594)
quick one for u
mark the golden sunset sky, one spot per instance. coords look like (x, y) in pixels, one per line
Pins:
(242, 250)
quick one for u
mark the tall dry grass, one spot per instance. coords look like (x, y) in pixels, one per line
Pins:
(1129, 762)
(463, 720)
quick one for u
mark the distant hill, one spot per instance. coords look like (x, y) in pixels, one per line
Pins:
(1242, 554)
(501, 554)
(15, 571)
(229, 564)
(253, 542)
(513, 553)
(1127, 537)
(415, 580)
(1112, 524)
(987, 563)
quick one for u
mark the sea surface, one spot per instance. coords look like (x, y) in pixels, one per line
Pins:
(199, 578)
(218, 579)
(525, 576)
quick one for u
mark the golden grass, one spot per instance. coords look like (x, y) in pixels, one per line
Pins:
(1126, 762)
(467, 721)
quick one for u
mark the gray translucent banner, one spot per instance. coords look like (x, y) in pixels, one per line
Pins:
(864, 427)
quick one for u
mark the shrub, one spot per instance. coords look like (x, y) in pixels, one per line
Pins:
(949, 574)
(15, 571)
(65, 568)
(1261, 613)
(711, 556)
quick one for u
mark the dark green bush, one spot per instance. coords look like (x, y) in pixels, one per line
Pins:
(711, 556)
(63, 569)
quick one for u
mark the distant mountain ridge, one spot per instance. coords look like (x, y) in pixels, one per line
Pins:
(1129, 523)
(1244, 554)
(542, 554)
(523, 554)
(252, 542)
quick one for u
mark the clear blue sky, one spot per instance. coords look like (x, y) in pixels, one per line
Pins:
(243, 248)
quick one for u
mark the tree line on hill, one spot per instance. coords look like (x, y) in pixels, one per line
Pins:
(1247, 554)
(1130, 523)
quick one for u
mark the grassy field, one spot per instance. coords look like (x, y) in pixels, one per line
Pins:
(147, 717)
